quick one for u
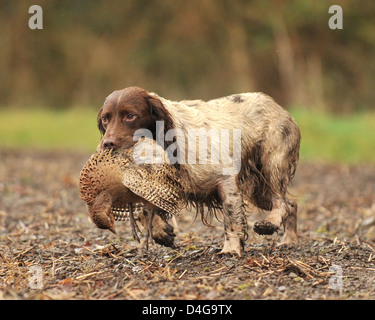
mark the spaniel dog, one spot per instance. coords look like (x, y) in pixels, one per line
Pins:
(231, 152)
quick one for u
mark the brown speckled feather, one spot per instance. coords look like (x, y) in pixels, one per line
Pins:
(130, 176)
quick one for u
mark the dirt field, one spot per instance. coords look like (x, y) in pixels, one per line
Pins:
(49, 249)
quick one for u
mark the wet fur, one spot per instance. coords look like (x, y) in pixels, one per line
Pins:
(270, 141)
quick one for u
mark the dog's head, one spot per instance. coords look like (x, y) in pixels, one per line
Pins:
(126, 111)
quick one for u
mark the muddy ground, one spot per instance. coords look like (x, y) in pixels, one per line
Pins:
(49, 249)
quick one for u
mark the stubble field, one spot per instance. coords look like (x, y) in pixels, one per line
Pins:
(49, 249)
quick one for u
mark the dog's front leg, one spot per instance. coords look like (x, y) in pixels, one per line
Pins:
(235, 224)
(161, 231)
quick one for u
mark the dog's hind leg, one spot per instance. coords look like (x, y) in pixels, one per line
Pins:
(235, 224)
(279, 163)
(283, 214)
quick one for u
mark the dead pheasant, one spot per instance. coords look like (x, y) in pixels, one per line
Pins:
(114, 184)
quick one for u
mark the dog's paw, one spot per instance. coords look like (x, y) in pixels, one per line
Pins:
(161, 231)
(232, 247)
(163, 234)
(265, 227)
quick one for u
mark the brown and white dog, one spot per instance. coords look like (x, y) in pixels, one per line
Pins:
(262, 140)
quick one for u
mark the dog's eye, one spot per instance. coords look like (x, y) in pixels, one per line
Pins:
(104, 119)
(130, 117)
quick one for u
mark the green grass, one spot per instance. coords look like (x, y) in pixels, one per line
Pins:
(73, 129)
(325, 137)
(332, 138)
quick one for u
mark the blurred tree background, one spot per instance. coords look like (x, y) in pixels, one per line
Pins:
(188, 49)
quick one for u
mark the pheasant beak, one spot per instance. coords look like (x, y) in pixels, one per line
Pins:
(112, 229)
(110, 220)
(111, 226)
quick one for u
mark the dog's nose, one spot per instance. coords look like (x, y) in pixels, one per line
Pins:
(109, 144)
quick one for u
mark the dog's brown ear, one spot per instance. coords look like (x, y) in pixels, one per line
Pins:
(99, 122)
(159, 112)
